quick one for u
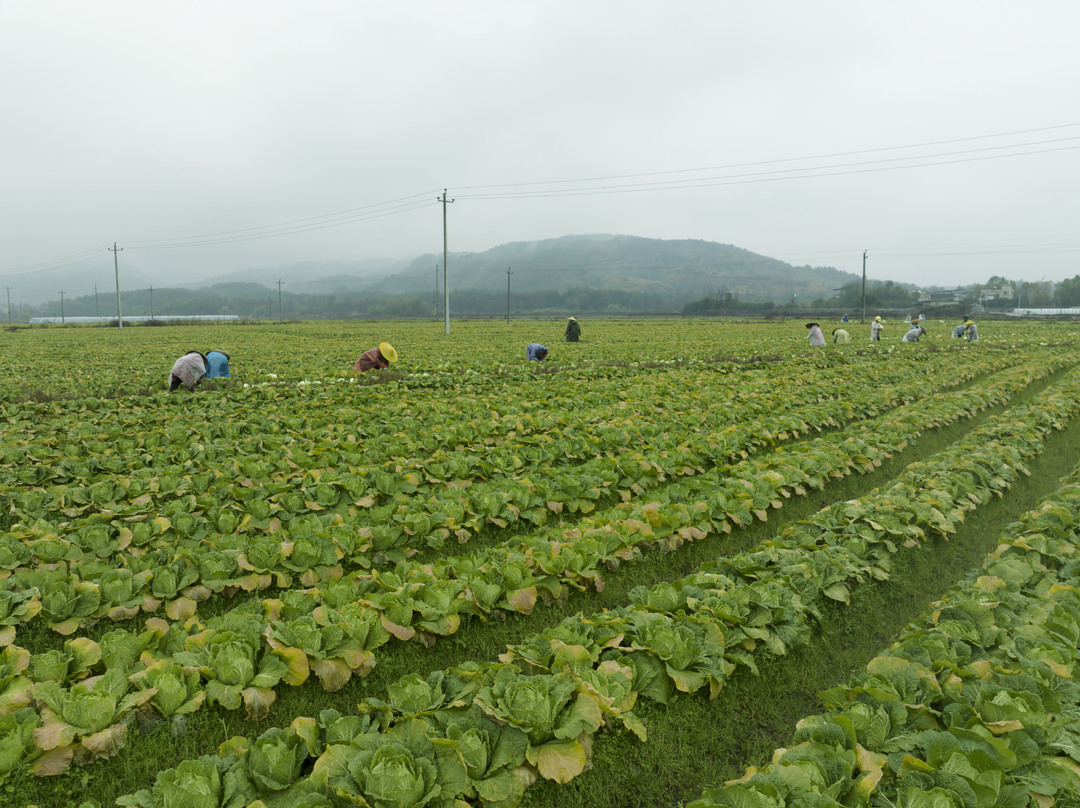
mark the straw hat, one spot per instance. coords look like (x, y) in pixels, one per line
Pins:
(387, 351)
(812, 325)
(572, 318)
(969, 322)
(877, 319)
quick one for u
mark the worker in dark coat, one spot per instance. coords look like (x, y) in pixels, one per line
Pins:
(573, 330)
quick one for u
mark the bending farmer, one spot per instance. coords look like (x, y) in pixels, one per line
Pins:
(217, 365)
(376, 358)
(188, 370)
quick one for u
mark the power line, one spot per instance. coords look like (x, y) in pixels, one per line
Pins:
(57, 263)
(961, 252)
(781, 160)
(1046, 244)
(284, 229)
(233, 236)
(772, 176)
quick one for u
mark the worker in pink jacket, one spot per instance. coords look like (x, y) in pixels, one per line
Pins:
(188, 370)
(814, 334)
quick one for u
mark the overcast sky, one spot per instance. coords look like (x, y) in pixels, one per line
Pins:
(205, 137)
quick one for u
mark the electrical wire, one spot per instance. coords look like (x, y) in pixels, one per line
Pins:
(781, 160)
(284, 231)
(338, 219)
(58, 263)
(772, 176)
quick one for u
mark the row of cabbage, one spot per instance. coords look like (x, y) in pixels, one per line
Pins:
(480, 416)
(480, 733)
(760, 610)
(138, 359)
(423, 600)
(139, 563)
(976, 704)
(138, 450)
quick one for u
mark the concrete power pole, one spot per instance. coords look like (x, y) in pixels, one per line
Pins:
(436, 298)
(280, 281)
(8, 288)
(116, 265)
(508, 273)
(863, 320)
(97, 308)
(445, 282)
(61, 306)
(151, 302)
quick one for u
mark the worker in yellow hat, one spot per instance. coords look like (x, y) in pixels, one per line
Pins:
(972, 331)
(876, 328)
(376, 358)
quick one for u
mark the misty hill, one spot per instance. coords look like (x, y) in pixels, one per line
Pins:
(37, 290)
(314, 277)
(679, 270)
(583, 273)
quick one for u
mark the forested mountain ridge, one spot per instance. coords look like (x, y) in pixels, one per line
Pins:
(682, 269)
(582, 273)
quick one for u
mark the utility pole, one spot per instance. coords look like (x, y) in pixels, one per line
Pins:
(508, 294)
(151, 302)
(116, 265)
(97, 308)
(280, 281)
(61, 306)
(863, 320)
(436, 298)
(445, 282)
(8, 303)
(269, 308)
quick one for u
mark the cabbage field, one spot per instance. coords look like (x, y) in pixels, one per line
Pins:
(681, 562)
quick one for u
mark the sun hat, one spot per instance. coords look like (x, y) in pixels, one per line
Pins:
(811, 325)
(877, 319)
(969, 322)
(387, 351)
(571, 318)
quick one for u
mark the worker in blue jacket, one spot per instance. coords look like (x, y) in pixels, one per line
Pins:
(217, 365)
(535, 352)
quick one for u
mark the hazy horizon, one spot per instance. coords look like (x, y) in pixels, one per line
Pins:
(210, 138)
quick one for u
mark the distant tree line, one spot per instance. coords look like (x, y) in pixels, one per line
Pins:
(256, 302)
(252, 301)
(894, 297)
(726, 305)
